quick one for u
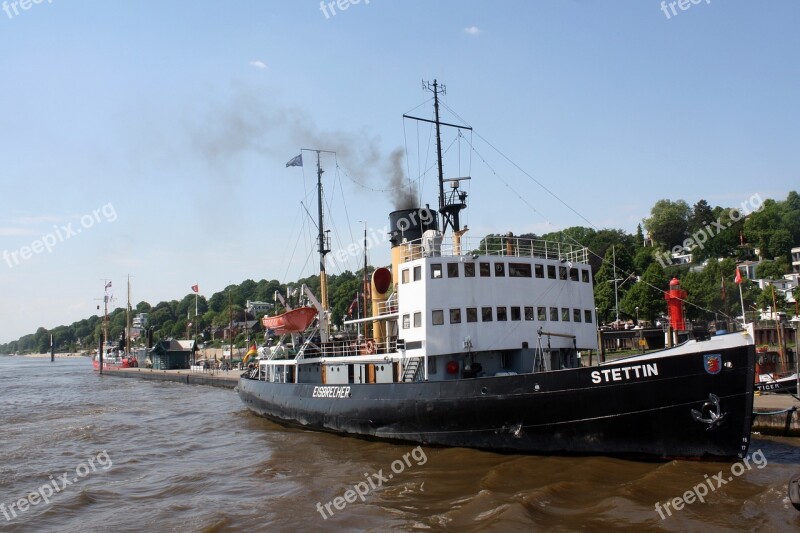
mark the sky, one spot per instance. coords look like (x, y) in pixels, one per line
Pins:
(151, 139)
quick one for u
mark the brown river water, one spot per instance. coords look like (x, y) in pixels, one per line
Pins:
(80, 452)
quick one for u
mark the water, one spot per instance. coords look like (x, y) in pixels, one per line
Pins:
(172, 457)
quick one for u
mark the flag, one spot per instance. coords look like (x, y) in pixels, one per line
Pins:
(722, 276)
(195, 288)
(296, 161)
(738, 279)
(353, 306)
(251, 352)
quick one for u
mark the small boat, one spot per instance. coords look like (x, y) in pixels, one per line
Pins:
(114, 360)
(770, 383)
(294, 321)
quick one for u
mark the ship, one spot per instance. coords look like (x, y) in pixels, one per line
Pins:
(483, 345)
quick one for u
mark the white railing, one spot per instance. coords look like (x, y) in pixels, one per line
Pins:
(496, 246)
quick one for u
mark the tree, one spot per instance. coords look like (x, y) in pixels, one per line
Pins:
(700, 216)
(770, 270)
(780, 243)
(647, 294)
(668, 222)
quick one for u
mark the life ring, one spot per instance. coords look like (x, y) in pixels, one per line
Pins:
(370, 346)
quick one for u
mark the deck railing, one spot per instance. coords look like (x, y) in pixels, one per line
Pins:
(503, 246)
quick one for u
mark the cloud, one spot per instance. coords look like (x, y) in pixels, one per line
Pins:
(474, 31)
(258, 64)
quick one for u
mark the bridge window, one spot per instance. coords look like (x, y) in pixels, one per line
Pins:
(539, 269)
(472, 314)
(469, 270)
(519, 270)
(499, 269)
(406, 321)
(436, 270)
(515, 314)
(455, 316)
(417, 319)
(417, 273)
(486, 314)
(437, 317)
(452, 270)
(587, 316)
(551, 272)
(554, 314)
(562, 272)
(576, 315)
(486, 270)
(573, 274)
(502, 314)
(541, 313)
(405, 275)
(585, 276)
(564, 314)
(529, 313)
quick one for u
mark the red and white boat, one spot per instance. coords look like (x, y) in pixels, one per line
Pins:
(293, 321)
(114, 361)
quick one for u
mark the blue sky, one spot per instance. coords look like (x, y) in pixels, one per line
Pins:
(177, 118)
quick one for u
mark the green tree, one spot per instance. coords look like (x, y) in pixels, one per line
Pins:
(668, 222)
(770, 270)
(647, 294)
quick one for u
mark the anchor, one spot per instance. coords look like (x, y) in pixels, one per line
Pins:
(710, 413)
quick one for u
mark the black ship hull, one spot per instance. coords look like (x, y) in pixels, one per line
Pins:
(677, 406)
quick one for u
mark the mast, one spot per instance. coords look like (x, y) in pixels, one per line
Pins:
(449, 205)
(323, 279)
(128, 320)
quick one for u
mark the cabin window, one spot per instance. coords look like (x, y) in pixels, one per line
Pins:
(502, 314)
(404, 275)
(554, 314)
(486, 314)
(585, 276)
(436, 270)
(499, 269)
(529, 313)
(406, 321)
(576, 315)
(564, 314)
(417, 273)
(562, 272)
(437, 317)
(587, 316)
(452, 270)
(455, 316)
(539, 269)
(472, 314)
(418, 319)
(541, 313)
(432, 365)
(515, 314)
(551, 272)
(573, 274)
(519, 270)
(486, 270)
(469, 270)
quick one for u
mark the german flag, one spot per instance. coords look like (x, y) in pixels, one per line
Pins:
(251, 352)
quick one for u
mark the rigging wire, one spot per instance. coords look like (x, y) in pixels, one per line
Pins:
(602, 259)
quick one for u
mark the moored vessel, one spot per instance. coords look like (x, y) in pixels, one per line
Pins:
(480, 346)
